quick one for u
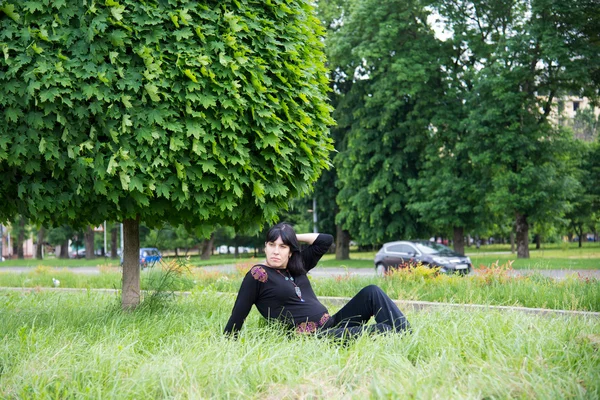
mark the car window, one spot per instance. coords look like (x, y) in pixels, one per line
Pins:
(433, 248)
(401, 248)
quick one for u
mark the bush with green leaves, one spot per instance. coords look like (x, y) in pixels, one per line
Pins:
(187, 111)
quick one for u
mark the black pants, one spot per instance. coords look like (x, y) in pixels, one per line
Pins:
(371, 301)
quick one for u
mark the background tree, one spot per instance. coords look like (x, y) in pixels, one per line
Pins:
(527, 53)
(334, 15)
(41, 242)
(586, 200)
(386, 53)
(449, 191)
(586, 126)
(88, 235)
(152, 111)
(61, 236)
(114, 234)
(171, 238)
(21, 233)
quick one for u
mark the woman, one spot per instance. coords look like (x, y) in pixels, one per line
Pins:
(281, 290)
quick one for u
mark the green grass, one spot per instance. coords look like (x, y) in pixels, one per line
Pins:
(493, 286)
(65, 345)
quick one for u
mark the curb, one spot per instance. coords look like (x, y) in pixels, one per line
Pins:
(404, 305)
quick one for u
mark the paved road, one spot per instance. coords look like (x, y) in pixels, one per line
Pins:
(330, 272)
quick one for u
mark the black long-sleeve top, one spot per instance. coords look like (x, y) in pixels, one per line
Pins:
(276, 298)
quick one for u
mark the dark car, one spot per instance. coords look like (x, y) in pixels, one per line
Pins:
(404, 254)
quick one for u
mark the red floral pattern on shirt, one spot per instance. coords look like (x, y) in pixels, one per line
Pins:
(324, 319)
(311, 327)
(259, 273)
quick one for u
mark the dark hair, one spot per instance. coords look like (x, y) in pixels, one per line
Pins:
(288, 236)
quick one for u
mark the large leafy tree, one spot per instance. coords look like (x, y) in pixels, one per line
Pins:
(524, 55)
(449, 190)
(384, 57)
(583, 214)
(193, 112)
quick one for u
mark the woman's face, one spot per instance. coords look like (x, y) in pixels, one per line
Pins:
(278, 254)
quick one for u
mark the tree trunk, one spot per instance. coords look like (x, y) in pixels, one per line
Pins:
(522, 236)
(580, 236)
(89, 243)
(538, 241)
(207, 245)
(64, 249)
(459, 240)
(342, 243)
(21, 239)
(131, 264)
(39, 254)
(512, 242)
(114, 232)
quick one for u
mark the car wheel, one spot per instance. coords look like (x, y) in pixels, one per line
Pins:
(380, 269)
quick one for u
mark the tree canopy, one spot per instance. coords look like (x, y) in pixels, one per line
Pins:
(455, 131)
(193, 112)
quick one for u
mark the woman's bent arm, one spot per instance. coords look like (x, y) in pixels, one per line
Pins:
(307, 237)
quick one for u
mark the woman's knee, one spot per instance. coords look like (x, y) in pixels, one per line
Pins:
(371, 289)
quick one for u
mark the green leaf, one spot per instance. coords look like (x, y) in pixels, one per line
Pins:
(198, 147)
(126, 122)
(125, 179)
(9, 10)
(152, 91)
(136, 183)
(259, 191)
(12, 114)
(42, 146)
(117, 12)
(163, 190)
(126, 100)
(176, 143)
(194, 129)
(190, 75)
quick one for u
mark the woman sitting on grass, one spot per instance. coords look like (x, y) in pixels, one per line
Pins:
(281, 290)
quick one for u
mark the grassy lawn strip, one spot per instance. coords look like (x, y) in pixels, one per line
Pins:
(493, 287)
(67, 345)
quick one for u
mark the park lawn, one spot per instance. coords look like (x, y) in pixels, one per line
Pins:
(493, 287)
(80, 345)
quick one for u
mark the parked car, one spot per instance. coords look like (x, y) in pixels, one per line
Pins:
(148, 256)
(404, 254)
(80, 253)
